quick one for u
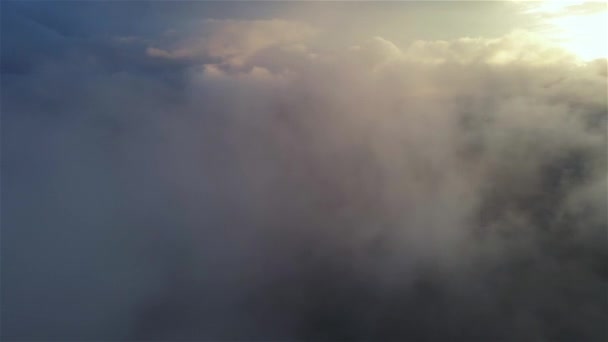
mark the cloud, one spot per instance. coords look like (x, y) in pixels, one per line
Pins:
(517, 47)
(566, 8)
(233, 40)
(274, 188)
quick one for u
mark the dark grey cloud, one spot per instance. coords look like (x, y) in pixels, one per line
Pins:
(271, 188)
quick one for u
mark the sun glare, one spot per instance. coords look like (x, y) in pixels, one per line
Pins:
(583, 35)
(577, 26)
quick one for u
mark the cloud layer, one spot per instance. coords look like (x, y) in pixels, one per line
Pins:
(254, 182)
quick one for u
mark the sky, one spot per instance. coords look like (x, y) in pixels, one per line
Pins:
(299, 170)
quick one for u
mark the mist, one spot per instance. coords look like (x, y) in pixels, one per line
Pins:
(256, 179)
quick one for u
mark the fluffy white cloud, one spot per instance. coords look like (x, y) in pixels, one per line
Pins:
(457, 157)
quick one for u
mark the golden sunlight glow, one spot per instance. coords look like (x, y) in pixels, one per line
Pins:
(583, 35)
(551, 6)
(579, 27)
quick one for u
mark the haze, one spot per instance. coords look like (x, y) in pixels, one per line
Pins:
(290, 171)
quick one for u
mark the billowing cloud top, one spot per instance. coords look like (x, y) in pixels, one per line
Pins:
(207, 171)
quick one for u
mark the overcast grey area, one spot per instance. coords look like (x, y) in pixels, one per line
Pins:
(222, 172)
